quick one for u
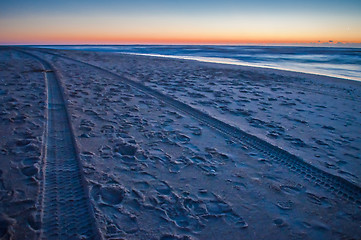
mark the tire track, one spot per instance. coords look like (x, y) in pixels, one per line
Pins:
(335, 184)
(66, 210)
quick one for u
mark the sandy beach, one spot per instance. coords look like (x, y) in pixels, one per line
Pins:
(101, 145)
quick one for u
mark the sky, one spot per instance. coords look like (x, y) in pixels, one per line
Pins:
(179, 21)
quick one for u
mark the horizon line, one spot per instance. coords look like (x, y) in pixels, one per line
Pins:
(321, 44)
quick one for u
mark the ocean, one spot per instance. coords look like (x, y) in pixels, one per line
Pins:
(330, 61)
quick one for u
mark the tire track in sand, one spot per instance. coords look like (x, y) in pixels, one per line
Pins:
(335, 184)
(66, 210)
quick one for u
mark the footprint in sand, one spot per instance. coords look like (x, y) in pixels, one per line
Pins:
(285, 205)
(126, 149)
(291, 190)
(182, 138)
(112, 195)
(279, 222)
(29, 171)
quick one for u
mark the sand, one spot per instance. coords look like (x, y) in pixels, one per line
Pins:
(135, 147)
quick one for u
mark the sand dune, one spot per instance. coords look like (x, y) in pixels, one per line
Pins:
(149, 148)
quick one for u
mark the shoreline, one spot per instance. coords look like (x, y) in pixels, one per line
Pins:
(235, 63)
(269, 70)
(291, 65)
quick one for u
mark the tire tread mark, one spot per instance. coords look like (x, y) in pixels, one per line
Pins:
(66, 209)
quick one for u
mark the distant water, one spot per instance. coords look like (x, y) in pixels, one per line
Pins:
(330, 61)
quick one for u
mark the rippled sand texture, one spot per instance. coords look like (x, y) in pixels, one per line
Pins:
(150, 167)
(314, 117)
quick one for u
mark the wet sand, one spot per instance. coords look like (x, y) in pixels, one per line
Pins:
(176, 149)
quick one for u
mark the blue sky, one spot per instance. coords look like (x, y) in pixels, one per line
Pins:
(201, 20)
